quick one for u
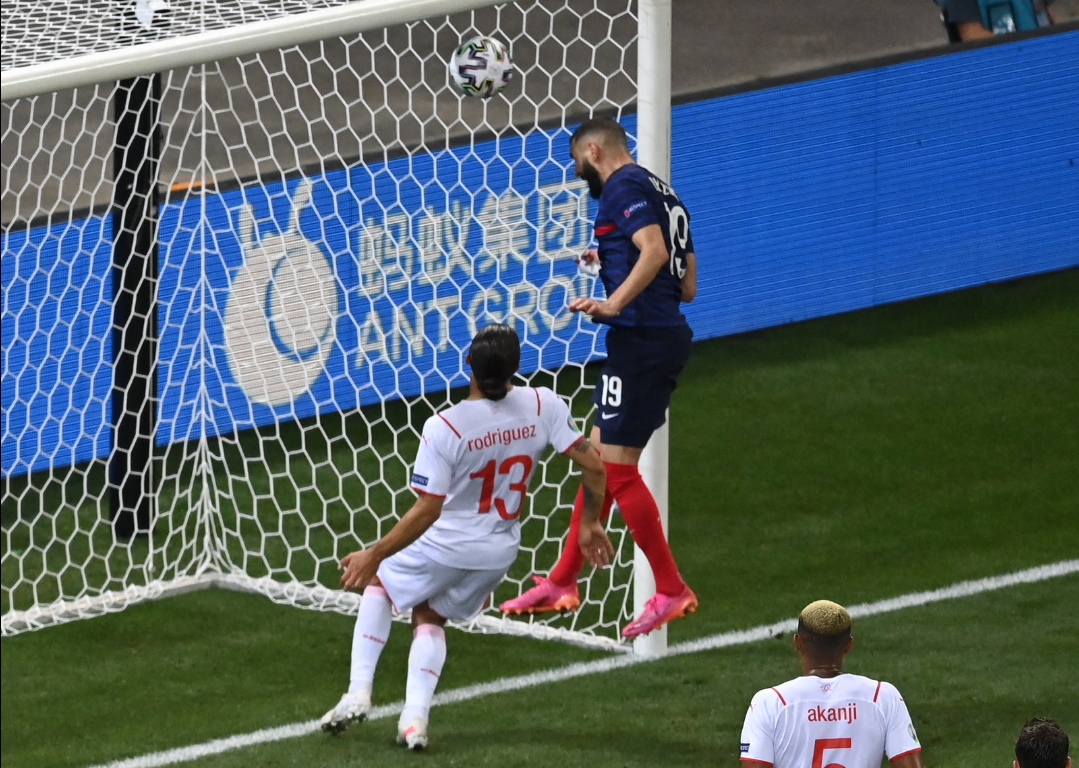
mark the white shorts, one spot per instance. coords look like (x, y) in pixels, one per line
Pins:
(410, 577)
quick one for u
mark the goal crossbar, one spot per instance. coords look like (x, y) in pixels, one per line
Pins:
(192, 50)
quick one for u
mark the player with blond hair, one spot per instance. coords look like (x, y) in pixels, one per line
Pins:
(828, 717)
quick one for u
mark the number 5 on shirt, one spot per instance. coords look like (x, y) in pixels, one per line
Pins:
(822, 744)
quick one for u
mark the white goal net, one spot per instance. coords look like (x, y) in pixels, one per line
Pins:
(266, 267)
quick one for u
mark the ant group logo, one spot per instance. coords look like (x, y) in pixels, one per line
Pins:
(281, 316)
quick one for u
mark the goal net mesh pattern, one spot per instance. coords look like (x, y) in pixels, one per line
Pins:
(335, 221)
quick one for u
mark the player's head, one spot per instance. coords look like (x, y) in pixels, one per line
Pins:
(823, 631)
(1042, 744)
(592, 139)
(495, 355)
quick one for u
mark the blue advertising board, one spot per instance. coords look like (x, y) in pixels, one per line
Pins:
(279, 301)
(316, 294)
(842, 193)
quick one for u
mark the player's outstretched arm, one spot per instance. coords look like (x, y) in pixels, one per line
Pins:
(592, 539)
(360, 566)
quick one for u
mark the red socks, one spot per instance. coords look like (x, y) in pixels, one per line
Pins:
(570, 561)
(639, 510)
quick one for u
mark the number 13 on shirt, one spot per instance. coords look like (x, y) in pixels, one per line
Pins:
(520, 486)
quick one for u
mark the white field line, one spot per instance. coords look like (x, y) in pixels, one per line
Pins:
(724, 640)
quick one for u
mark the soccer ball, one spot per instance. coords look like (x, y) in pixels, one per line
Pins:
(481, 67)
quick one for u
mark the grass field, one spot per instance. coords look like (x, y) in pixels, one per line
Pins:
(857, 457)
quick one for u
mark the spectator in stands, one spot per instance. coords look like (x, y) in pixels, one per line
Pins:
(979, 19)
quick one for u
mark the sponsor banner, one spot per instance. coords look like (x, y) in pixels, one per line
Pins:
(318, 294)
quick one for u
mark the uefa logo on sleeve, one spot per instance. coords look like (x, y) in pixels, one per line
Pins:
(281, 318)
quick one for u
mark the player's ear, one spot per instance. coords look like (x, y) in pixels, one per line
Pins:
(797, 643)
(849, 645)
(468, 358)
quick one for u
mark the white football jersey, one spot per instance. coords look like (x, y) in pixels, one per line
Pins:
(848, 721)
(480, 455)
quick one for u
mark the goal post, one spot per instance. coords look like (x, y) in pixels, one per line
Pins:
(336, 220)
(654, 153)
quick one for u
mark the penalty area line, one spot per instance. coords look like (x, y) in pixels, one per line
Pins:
(581, 669)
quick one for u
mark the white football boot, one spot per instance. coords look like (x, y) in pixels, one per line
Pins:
(352, 708)
(412, 734)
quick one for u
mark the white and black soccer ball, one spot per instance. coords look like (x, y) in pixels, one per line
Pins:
(481, 66)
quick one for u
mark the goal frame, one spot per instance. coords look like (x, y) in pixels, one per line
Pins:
(653, 146)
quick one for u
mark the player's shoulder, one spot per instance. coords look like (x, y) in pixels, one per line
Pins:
(553, 404)
(446, 423)
(546, 394)
(632, 176)
(541, 401)
(871, 689)
(776, 696)
(887, 691)
(630, 182)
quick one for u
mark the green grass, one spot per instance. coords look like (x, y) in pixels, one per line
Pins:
(855, 457)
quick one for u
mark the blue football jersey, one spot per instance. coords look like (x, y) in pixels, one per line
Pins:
(634, 198)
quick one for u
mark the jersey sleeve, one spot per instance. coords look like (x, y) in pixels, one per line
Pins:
(900, 738)
(563, 433)
(433, 470)
(632, 208)
(756, 742)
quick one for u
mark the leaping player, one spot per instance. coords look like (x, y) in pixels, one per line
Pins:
(648, 267)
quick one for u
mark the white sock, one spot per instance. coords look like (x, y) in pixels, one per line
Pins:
(425, 661)
(369, 637)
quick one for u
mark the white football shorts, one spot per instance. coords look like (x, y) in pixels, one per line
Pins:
(410, 577)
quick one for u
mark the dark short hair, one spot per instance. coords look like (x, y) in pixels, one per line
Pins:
(1042, 744)
(611, 131)
(496, 356)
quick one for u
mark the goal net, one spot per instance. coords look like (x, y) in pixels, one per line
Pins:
(266, 263)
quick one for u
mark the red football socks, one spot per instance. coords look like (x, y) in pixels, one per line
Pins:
(639, 510)
(571, 560)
